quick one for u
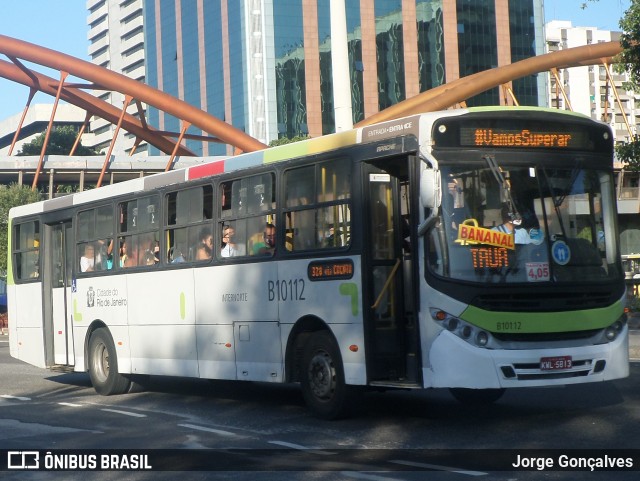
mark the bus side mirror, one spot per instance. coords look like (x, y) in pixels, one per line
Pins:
(428, 187)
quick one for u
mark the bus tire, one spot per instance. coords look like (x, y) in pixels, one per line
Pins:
(323, 385)
(103, 365)
(475, 397)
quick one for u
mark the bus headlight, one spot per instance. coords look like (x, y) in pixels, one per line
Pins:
(482, 338)
(465, 331)
(612, 332)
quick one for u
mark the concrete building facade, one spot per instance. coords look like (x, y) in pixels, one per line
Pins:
(587, 88)
(265, 66)
(116, 37)
(35, 123)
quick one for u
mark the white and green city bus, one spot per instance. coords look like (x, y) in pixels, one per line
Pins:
(471, 249)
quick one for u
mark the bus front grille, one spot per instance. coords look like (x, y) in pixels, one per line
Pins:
(543, 302)
(544, 336)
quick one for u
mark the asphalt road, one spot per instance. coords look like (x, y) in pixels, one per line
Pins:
(255, 431)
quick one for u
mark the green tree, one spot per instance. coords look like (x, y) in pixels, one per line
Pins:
(11, 196)
(61, 142)
(286, 140)
(629, 61)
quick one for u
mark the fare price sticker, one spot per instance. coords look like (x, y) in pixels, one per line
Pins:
(537, 271)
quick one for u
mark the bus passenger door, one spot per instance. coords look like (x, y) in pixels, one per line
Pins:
(388, 272)
(57, 286)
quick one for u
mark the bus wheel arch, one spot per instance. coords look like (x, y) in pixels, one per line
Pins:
(298, 336)
(102, 362)
(322, 377)
(96, 324)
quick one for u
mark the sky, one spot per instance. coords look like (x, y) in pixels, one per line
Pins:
(62, 25)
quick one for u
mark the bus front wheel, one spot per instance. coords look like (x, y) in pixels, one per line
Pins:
(323, 385)
(476, 396)
(103, 365)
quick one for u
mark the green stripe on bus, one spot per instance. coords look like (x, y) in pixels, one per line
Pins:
(491, 108)
(183, 306)
(532, 322)
(350, 289)
(77, 315)
(311, 146)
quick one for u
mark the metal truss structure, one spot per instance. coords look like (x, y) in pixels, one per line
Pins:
(445, 96)
(100, 78)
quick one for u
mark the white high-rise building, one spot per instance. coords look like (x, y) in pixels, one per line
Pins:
(587, 87)
(116, 39)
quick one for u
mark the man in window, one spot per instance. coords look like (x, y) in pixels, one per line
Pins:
(268, 244)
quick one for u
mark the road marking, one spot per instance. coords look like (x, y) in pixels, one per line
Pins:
(71, 405)
(209, 430)
(19, 398)
(126, 413)
(301, 448)
(439, 468)
(369, 477)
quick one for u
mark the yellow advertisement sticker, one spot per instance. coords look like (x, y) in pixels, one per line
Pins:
(471, 234)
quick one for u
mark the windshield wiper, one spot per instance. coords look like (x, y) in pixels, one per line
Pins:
(504, 183)
(557, 201)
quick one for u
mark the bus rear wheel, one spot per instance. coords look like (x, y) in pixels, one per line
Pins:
(323, 385)
(476, 397)
(103, 365)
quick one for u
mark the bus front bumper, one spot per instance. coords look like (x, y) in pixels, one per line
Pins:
(456, 363)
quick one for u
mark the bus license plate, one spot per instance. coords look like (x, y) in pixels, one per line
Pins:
(555, 363)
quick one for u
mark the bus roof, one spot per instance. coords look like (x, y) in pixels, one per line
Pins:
(372, 133)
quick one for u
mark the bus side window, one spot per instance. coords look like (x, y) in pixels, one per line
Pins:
(26, 252)
(247, 207)
(94, 237)
(188, 227)
(138, 231)
(318, 213)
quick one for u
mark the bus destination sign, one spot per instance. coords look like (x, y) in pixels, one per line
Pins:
(525, 138)
(330, 270)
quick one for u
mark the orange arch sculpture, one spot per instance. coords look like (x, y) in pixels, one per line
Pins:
(454, 92)
(442, 97)
(104, 79)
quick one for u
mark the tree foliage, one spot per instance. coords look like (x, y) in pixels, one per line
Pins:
(61, 142)
(629, 153)
(286, 140)
(629, 61)
(11, 195)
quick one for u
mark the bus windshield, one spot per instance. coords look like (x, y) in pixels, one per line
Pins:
(502, 223)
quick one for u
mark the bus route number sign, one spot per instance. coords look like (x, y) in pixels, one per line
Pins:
(555, 363)
(330, 270)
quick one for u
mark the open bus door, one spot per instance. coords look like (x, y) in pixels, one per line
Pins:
(57, 282)
(389, 274)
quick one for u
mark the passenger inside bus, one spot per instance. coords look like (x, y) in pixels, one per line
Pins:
(512, 224)
(229, 246)
(268, 244)
(87, 260)
(104, 257)
(176, 256)
(204, 249)
(123, 253)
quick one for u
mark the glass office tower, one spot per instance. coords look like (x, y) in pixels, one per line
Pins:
(265, 66)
